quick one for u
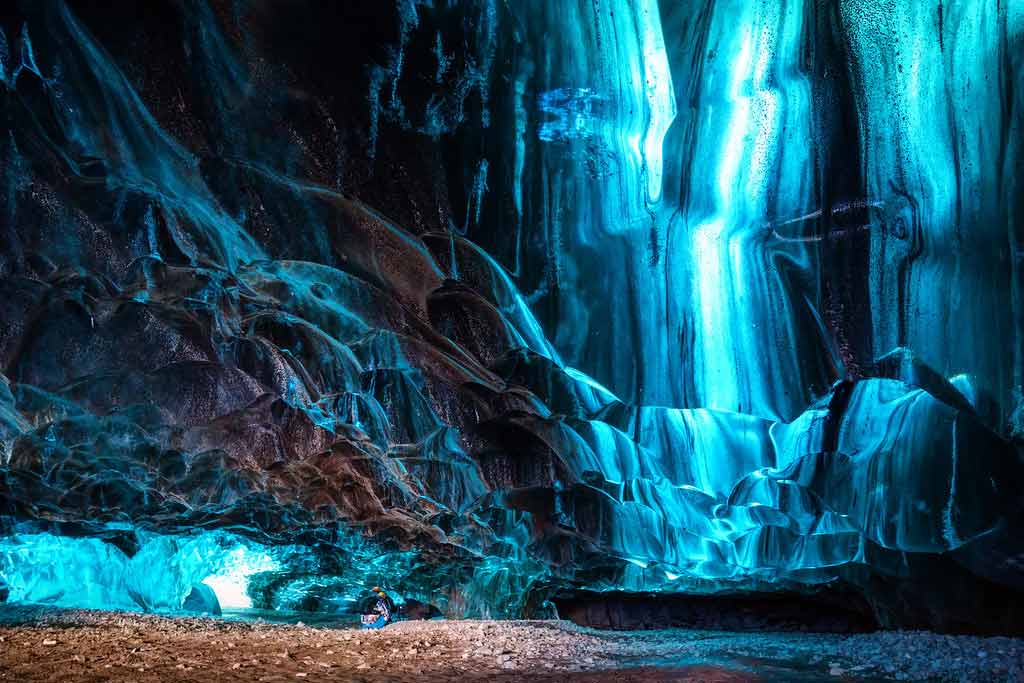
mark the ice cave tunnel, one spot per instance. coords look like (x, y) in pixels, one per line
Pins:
(520, 308)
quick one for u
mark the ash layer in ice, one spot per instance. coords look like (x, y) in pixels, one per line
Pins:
(500, 304)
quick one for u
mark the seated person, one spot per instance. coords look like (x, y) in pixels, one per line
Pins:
(381, 615)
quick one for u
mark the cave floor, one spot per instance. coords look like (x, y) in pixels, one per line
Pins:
(73, 645)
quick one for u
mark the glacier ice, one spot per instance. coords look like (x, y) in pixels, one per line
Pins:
(496, 303)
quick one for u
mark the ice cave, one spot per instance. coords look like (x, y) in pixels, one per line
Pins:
(620, 312)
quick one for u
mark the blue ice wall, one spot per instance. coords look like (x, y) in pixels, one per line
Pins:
(754, 137)
(513, 301)
(161, 573)
(938, 142)
(594, 99)
(88, 572)
(805, 142)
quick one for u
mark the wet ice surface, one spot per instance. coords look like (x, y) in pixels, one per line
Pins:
(41, 644)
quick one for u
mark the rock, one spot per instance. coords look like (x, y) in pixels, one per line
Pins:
(202, 600)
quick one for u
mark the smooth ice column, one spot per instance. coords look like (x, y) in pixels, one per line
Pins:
(754, 96)
(715, 280)
(661, 102)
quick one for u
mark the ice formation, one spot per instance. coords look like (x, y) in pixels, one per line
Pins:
(495, 302)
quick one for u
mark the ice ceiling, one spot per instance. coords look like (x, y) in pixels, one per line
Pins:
(488, 302)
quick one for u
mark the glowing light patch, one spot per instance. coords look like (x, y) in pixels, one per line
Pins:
(713, 289)
(733, 152)
(231, 583)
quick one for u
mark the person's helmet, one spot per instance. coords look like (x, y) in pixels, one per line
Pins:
(376, 589)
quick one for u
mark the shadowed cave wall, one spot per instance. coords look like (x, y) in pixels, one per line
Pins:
(511, 306)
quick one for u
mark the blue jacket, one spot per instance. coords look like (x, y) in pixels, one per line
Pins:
(382, 608)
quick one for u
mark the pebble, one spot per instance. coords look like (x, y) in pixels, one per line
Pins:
(445, 649)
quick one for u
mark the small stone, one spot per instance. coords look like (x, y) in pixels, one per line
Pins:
(835, 671)
(49, 642)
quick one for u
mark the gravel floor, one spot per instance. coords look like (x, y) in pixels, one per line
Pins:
(63, 645)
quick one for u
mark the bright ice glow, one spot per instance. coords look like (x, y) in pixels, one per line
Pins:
(87, 572)
(231, 582)
(661, 102)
